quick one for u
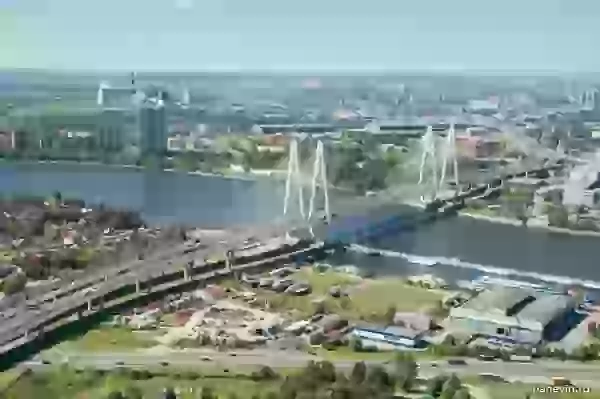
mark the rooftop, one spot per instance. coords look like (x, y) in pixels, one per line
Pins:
(546, 308)
(400, 332)
(500, 299)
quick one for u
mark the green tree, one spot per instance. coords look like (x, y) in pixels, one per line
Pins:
(326, 371)
(389, 315)
(169, 393)
(558, 216)
(359, 373)
(115, 395)
(133, 392)
(14, 283)
(450, 387)
(435, 385)
(462, 393)
(406, 370)
(208, 393)
(379, 379)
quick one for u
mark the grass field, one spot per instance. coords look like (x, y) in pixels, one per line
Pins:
(63, 383)
(367, 300)
(108, 339)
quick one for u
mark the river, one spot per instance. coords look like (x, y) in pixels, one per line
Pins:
(464, 247)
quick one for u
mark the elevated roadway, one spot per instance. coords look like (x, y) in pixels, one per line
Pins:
(388, 216)
(124, 291)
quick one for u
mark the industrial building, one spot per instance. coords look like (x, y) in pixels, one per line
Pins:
(390, 337)
(516, 314)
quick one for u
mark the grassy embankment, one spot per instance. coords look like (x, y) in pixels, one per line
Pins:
(64, 383)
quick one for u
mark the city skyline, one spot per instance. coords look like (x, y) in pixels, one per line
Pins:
(265, 35)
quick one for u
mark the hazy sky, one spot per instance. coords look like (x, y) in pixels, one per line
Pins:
(301, 34)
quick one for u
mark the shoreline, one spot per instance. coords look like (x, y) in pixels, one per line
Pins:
(232, 175)
(268, 174)
(532, 224)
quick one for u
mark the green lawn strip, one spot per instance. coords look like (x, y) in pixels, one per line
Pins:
(107, 339)
(368, 299)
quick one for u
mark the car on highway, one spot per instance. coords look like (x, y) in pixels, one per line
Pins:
(206, 358)
(492, 377)
(164, 363)
(457, 362)
(561, 382)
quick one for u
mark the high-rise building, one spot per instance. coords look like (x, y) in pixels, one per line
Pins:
(110, 129)
(153, 128)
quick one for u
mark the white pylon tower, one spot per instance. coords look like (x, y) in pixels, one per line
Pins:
(428, 162)
(100, 93)
(319, 176)
(294, 184)
(449, 155)
(293, 181)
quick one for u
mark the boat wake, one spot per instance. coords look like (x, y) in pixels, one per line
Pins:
(455, 262)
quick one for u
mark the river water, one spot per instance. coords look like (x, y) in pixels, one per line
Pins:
(464, 247)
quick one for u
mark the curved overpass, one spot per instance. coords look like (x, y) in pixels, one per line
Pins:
(29, 337)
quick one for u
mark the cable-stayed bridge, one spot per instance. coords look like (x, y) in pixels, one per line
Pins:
(430, 186)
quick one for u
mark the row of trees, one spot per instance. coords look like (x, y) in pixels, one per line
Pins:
(322, 379)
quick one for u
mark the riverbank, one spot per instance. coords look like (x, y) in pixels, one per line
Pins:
(531, 224)
(227, 174)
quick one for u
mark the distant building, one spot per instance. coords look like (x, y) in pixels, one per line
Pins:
(153, 128)
(7, 141)
(483, 107)
(110, 129)
(296, 128)
(472, 147)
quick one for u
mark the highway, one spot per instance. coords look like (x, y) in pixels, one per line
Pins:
(14, 337)
(108, 280)
(540, 372)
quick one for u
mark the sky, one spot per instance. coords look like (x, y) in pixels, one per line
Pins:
(269, 35)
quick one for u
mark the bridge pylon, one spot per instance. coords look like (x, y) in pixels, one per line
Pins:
(319, 176)
(294, 185)
(428, 168)
(449, 155)
(293, 182)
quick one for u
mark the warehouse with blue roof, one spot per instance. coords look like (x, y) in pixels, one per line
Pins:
(391, 337)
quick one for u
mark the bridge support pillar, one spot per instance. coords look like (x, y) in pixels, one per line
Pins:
(105, 278)
(229, 261)
(186, 273)
(138, 287)
(89, 305)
